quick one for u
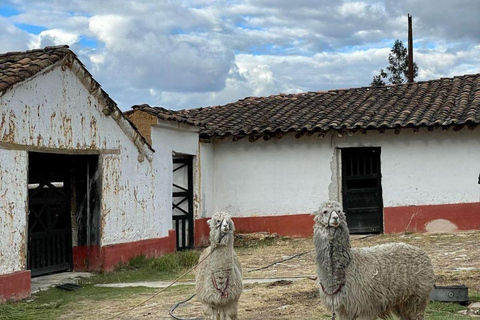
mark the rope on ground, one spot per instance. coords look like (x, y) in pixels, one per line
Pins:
(175, 306)
(164, 289)
(280, 261)
(298, 255)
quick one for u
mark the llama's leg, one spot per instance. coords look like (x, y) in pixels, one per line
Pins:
(419, 311)
(217, 314)
(231, 311)
(413, 309)
(207, 311)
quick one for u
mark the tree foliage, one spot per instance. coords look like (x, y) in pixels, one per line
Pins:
(397, 69)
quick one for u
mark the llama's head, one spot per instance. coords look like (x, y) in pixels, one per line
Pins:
(221, 228)
(330, 215)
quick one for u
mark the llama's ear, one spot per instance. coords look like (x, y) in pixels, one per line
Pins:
(208, 221)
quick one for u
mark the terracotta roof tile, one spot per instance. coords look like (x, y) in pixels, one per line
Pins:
(19, 66)
(443, 102)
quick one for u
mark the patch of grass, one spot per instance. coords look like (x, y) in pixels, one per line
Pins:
(50, 304)
(444, 311)
(474, 296)
(141, 268)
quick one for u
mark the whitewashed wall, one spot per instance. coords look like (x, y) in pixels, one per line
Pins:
(292, 176)
(54, 112)
(206, 185)
(169, 138)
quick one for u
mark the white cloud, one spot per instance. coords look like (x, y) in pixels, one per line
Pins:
(53, 37)
(183, 54)
(12, 38)
(352, 9)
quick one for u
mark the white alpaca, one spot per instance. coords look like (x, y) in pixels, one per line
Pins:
(368, 283)
(218, 280)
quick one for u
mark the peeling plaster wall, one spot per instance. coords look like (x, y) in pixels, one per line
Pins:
(170, 138)
(54, 112)
(13, 214)
(293, 176)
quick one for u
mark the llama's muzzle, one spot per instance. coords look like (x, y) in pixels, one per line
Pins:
(223, 228)
(334, 219)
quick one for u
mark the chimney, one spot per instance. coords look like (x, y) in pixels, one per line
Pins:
(410, 49)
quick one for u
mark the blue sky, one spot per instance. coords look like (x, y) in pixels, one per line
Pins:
(193, 53)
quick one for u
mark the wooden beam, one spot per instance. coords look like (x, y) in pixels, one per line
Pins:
(218, 138)
(237, 138)
(300, 134)
(253, 138)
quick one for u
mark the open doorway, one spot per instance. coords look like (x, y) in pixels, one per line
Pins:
(64, 204)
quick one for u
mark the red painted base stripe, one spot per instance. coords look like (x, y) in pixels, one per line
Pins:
(117, 253)
(465, 216)
(298, 225)
(15, 286)
(95, 258)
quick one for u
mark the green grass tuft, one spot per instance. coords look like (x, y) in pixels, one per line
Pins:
(141, 268)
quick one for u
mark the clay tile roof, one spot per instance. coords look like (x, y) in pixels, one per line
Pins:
(15, 67)
(443, 102)
(166, 114)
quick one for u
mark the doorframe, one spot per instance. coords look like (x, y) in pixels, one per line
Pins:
(188, 241)
(341, 175)
(94, 211)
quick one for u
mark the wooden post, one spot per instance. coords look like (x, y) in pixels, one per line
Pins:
(410, 49)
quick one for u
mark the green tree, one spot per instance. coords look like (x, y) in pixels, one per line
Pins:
(397, 70)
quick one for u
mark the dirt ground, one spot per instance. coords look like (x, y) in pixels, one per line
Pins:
(456, 258)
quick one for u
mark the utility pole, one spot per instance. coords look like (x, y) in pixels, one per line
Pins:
(410, 49)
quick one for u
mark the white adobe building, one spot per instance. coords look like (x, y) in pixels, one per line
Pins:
(400, 158)
(79, 186)
(82, 189)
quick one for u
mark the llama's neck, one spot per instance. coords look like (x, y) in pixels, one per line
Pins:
(222, 255)
(333, 255)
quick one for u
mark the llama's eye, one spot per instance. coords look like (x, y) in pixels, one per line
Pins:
(325, 212)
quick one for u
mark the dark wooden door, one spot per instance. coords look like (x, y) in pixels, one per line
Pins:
(362, 189)
(49, 223)
(182, 206)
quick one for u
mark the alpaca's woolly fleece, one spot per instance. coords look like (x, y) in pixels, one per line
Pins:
(218, 279)
(374, 282)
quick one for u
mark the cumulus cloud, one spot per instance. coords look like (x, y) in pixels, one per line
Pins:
(12, 38)
(53, 37)
(184, 54)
